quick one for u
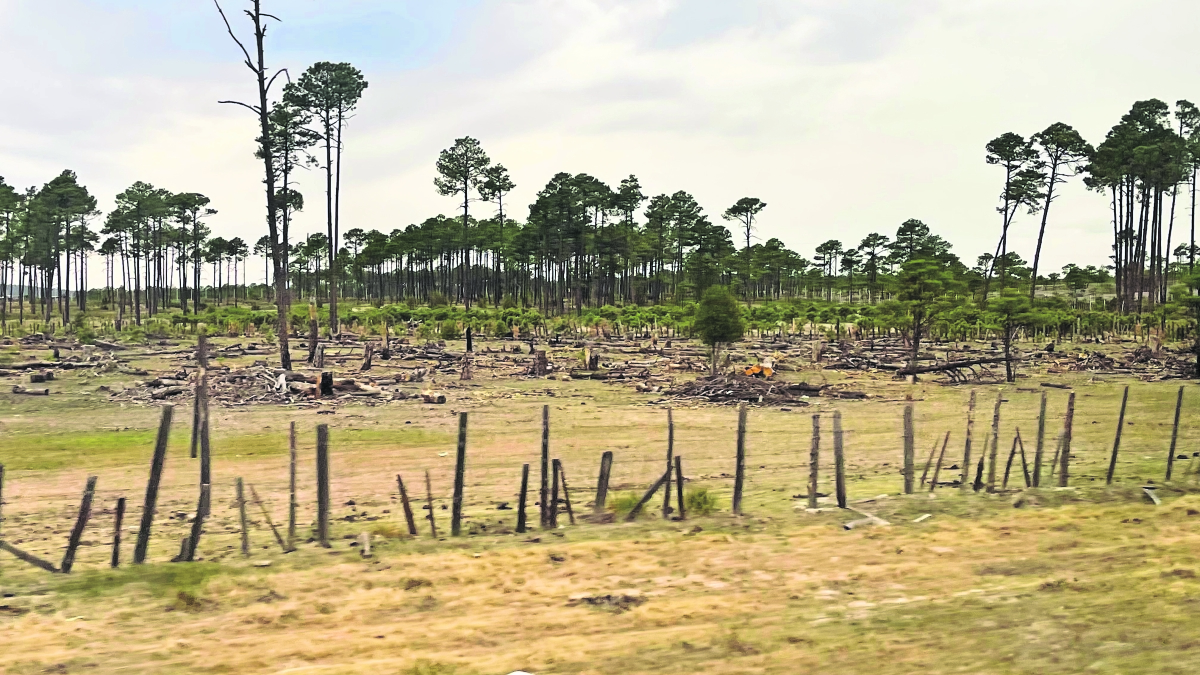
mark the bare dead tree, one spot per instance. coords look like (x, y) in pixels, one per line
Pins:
(278, 249)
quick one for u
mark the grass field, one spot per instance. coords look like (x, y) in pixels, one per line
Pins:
(1089, 579)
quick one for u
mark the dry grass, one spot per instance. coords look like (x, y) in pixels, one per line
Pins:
(1083, 579)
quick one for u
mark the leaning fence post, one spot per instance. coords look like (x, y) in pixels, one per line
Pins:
(666, 508)
(739, 478)
(202, 508)
(633, 514)
(521, 503)
(1064, 472)
(429, 496)
(287, 548)
(1170, 455)
(679, 485)
(1012, 454)
(85, 511)
(562, 477)
(606, 461)
(909, 449)
(814, 460)
(408, 512)
(928, 463)
(1041, 443)
(460, 473)
(1112, 462)
(994, 455)
(965, 485)
(553, 517)
(115, 562)
(292, 504)
(156, 469)
(323, 485)
(839, 459)
(937, 470)
(241, 502)
(544, 491)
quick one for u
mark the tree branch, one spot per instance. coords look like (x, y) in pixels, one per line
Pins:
(283, 71)
(252, 108)
(249, 61)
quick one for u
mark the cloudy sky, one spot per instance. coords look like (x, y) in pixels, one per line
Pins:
(845, 116)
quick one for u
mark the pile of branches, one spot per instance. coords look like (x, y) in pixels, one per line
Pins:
(735, 388)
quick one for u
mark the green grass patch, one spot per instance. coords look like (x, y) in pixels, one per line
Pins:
(161, 580)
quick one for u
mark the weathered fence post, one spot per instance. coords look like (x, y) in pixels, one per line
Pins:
(1064, 472)
(679, 485)
(429, 498)
(1024, 462)
(85, 511)
(562, 476)
(814, 461)
(739, 479)
(1, 501)
(408, 512)
(929, 463)
(115, 561)
(1112, 461)
(241, 502)
(994, 455)
(909, 448)
(521, 503)
(156, 469)
(554, 494)
(201, 390)
(606, 461)
(839, 459)
(666, 508)
(460, 474)
(287, 548)
(633, 514)
(544, 492)
(323, 485)
(1170, 455)
(292, 504)
(1041, 443)
(937, 470)
(966, 465)
(1012, 454)
(193, 542)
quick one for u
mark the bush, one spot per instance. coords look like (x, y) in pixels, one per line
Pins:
(508, 302)
(438, 299)
(621, 504)
(450, 330)
(700, 501)
(501, 330)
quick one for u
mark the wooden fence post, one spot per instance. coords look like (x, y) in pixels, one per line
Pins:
(115, 561)
(814, 461)
(156, 469)
(1012, 454)
(1170, 455)
(85, 511)
(965, 486)
(1041, 443)
(544, 492)
(562, 476)
(606, 461)
(323, 485)
(1112, 461)
(554, 494)
(929, 463)
(521, 504)
(739, 479)
(633, 514)
(201, 390)
(679, 485)
(241, 502)
(1, 501)
(937, 470)
(460, 473)
(202, 508)
(666, 507)
(408, 512)
(1024, 462)
(287, 548)
(994, 455)
(429, 497)
(292, 504)
(839, 459)
(1064, 472)
(909, 448)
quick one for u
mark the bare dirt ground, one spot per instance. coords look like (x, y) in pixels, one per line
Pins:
(1091, 578)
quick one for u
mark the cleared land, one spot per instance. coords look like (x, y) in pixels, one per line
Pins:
(1093, 579)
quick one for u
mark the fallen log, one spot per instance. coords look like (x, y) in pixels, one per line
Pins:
(28, 557)
(18, 389)
(165, 392)
(949, 365)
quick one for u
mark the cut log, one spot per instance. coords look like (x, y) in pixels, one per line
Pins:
(18, 389)
(949, 365)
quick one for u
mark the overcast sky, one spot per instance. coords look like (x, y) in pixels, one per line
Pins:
(846, 116)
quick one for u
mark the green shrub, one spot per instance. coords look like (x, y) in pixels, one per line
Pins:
(501, 329)
(438, 299)
(700, 501)
(450, 330)
(508, 302)
(621, 504)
